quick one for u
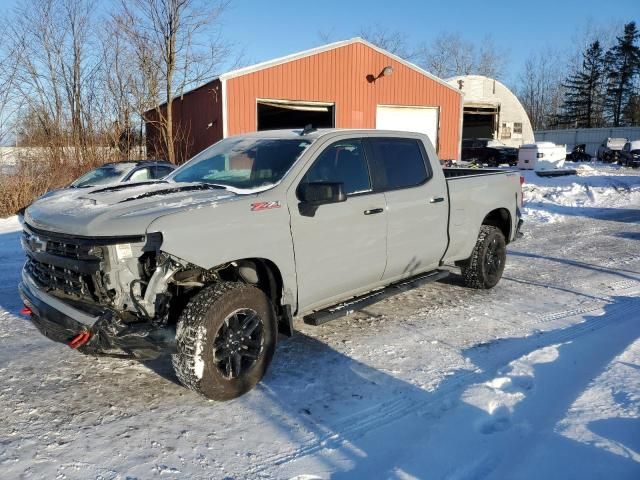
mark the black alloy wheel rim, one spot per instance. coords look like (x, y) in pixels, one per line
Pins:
(493, 260)
(238, 343)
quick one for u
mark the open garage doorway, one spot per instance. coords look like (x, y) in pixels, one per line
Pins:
(283, 114)
(480, 122)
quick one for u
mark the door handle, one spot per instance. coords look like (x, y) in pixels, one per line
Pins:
(373, 211)
(436, 200)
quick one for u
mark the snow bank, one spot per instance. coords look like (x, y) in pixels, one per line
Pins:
(551, 199)
(10, 224)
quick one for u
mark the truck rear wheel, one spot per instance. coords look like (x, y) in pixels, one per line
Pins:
(484, 268)
(226, 338)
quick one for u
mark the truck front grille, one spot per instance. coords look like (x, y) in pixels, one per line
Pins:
(61, 279)
(69, 265)
(61, 263)
(66, 248)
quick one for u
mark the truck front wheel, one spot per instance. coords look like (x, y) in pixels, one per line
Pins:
(484, 268)
(226, 338)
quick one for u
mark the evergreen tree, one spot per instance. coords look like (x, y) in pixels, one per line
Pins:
(623, 64)
(582, 106)
(631, 112)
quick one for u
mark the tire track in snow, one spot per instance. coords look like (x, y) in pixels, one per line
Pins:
(624, 284)
(358, 424)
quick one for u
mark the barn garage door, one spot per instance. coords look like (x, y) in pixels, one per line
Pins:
(409, 119)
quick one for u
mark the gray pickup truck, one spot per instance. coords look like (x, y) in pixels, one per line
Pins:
(213, 262)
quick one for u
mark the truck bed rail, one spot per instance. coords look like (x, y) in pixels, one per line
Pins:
(468, 172)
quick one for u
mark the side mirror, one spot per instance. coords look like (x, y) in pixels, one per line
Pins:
(320, 193)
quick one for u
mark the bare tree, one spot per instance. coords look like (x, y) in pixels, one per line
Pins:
(540, 87)
(392, 41)
(56, 70)
(8, 72)
(127, 84)
(490, 60)
(450, 55)
(184, 47)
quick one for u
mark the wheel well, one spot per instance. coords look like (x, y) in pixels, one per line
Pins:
(500, 218)
(259, 272)
(269, 280)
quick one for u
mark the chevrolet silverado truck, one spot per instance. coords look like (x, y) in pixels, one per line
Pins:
(212, 263)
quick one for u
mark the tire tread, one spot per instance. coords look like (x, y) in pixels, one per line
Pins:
(471, 268)
(189, 325)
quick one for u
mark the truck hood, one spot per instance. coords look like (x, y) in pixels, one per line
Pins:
(125, 209)
(616, 143)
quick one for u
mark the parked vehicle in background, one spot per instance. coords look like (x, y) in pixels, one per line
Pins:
(118, 172)
(609, 150)
(541, 156)
(489, 151)
(114, 173)
(630, 154)
(579, 154)
(213, 262)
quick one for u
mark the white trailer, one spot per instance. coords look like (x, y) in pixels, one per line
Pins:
(541, 156)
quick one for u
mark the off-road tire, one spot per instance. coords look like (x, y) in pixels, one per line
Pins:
(197, 328)
(476, 271)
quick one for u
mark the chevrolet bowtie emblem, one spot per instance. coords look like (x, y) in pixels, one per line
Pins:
(36, 244)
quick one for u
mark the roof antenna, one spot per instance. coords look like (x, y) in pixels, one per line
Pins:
(308, 129)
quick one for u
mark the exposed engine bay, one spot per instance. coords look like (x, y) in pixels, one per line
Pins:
(129, 282)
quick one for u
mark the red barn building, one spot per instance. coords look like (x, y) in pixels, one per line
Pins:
(348, 84)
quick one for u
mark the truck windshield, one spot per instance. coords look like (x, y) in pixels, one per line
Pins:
(243, 163)
(101, 176)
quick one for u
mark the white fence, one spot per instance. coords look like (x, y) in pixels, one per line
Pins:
(9, 156)
(591, 137)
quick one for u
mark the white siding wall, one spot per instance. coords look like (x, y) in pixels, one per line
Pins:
(479, 90)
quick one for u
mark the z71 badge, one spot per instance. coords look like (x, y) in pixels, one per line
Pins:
(255, 207)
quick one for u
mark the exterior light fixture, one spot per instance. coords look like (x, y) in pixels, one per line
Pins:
(386, 71)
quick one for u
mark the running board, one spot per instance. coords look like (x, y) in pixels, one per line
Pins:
(347, 308)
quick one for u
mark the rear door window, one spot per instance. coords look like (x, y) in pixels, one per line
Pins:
(398, 163)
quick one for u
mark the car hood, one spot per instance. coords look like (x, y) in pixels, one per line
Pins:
(119, 210)
(616, 144)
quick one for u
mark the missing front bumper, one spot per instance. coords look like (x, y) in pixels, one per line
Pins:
(109, 334)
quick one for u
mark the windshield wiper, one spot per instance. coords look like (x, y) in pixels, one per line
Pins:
(214, 185)
(168, 191)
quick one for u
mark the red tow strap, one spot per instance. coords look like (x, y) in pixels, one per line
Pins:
(80, 339)
(26, 311)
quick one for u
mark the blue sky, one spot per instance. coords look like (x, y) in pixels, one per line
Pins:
(268, 29)
(271, 29)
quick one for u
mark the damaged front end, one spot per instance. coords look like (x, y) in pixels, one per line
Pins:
(105, 295)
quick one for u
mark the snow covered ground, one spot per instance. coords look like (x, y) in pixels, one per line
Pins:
(538, 378)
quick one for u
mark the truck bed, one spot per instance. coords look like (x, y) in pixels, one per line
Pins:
(473, 193)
